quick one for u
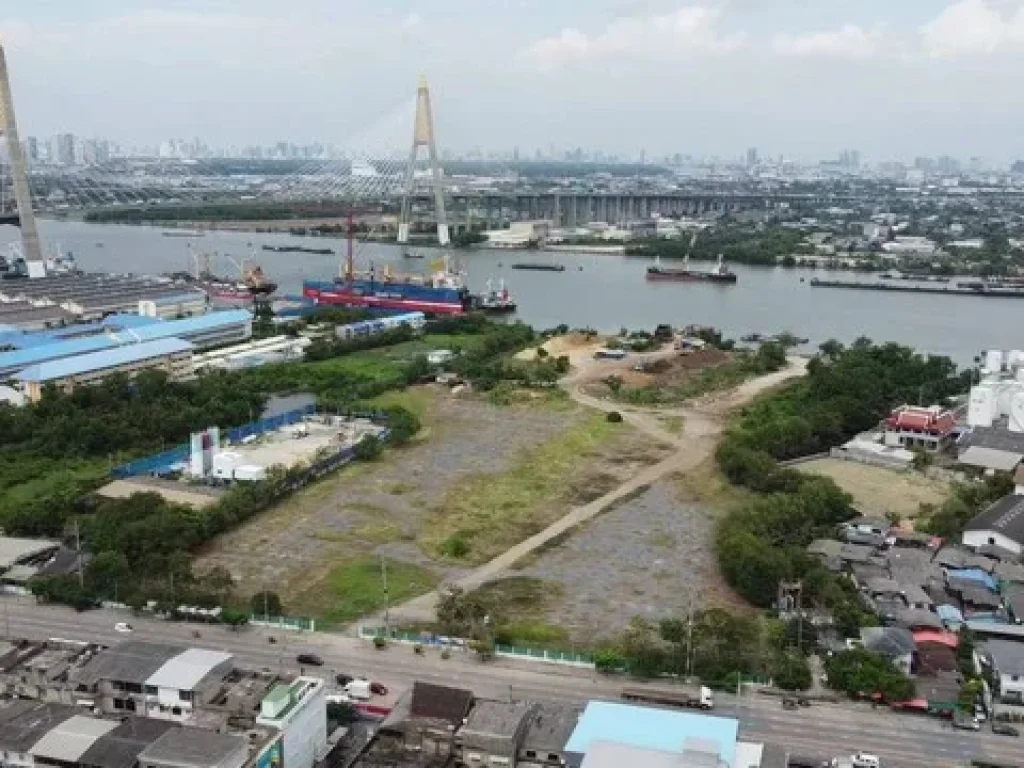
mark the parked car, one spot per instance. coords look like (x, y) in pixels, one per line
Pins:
(378, 689)
(1004, 729)
(123, 626)
(788, 702)
(342, 679)
(864, 760)
(309, 660)
(965, 722)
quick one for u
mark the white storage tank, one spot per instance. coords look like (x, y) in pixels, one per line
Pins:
(980, 406)
(994, 360)
(1004, 396)
(1016, 420)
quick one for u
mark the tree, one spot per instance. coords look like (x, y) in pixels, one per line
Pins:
(369, 448)
(234, 618)
(793, 672)
(608, 660)
(484, 648)
(970, 693)
(614, 384)
(266, 604)
(342, 712)
(860, 672)
(643, 654)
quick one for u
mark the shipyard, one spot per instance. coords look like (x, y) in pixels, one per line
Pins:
(391, 447)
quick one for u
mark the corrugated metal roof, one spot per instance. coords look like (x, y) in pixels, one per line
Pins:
(186, 669)
(648, 728)
(208, 322)
(23, 358)
(71, 739)
(97, 361)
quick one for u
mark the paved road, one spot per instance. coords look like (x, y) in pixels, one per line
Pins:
(904, 741)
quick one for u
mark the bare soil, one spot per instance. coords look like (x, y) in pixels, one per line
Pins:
(877, 491)
(382, 509)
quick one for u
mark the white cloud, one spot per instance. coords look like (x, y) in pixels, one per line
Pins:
(973, 27)
(684, 32)
(849, 41)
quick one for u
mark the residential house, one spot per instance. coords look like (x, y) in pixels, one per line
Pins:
(1006, 659)
(913, 427)
(1001, 524)
(494, 732)
(425, 719)
(894, 643)
(548, 729)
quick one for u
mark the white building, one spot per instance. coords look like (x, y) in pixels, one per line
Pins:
(299, 712)
(1001, 525)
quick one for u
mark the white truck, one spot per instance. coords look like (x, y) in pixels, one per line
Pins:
(359, 690)
(691, 696)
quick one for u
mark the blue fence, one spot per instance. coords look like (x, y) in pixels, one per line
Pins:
(162, 463)
(256, 428)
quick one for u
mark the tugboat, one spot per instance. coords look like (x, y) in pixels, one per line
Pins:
(495, 302)
(717, 274)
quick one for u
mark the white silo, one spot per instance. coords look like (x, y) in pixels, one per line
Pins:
(1016, 420)
(994, 360)
(980, 406)
(1005, 392)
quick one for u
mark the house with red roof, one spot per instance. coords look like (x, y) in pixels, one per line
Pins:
(911, 426)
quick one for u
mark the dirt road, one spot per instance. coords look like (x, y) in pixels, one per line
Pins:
(703, 422)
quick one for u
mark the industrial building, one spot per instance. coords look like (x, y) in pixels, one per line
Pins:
(93, 296)
(86, 353)
(277, 349)
(173, 356)
(297, 710)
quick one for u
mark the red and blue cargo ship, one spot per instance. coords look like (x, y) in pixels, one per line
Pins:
(441, 293)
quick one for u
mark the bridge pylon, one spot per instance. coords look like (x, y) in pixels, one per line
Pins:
(423, 136)
(31, 247)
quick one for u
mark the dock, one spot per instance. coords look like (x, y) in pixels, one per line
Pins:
(981, 290)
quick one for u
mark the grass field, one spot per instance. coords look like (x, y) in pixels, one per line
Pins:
(878, 491)
(521, 603)
(356, 588)
(484, 515)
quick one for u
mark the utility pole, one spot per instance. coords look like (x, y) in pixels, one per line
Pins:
(78, 550)
(689, 638)
(387, 599)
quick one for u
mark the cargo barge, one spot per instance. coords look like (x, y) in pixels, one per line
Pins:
(539, 267)
(717, 274)
(442, 293)
(962, 289)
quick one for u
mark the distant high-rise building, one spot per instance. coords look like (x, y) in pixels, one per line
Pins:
(925, 164)
(947, 164)
(62, 149)
(32, 149)
(751, 157)
(854, 158)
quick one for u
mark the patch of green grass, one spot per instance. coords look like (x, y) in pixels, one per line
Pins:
(400, 489)
(661, 539)
(356, 589)
(521, 604)
(417, 400)
(494, 511)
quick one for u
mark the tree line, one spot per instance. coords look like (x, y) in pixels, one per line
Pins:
(738, 244)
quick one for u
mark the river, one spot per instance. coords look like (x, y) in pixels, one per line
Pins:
(605, 292)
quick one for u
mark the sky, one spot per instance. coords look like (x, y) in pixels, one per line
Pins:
(800, 78)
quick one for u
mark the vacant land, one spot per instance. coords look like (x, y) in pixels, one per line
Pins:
(650, 556)
(879, 491)
(320, 549)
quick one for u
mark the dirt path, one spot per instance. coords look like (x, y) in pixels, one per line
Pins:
(703, 422)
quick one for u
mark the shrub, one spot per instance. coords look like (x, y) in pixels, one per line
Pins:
(455, 546)
(614, 417)
(380, 643)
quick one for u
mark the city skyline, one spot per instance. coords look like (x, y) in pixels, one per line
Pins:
(702, 78)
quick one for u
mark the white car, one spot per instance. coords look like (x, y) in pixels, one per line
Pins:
(864, 760)
(122, 626)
